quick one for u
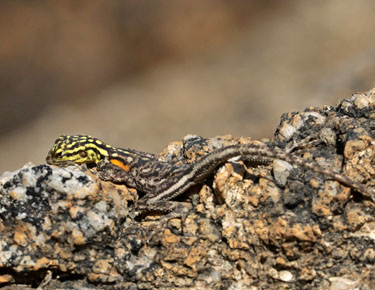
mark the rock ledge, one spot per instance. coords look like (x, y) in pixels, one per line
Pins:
(249, 227)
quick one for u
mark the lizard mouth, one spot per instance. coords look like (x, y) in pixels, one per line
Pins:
(49, 159)
(53, 161)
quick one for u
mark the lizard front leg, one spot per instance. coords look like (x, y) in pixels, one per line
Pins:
(110, 172)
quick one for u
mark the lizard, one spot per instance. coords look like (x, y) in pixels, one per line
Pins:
(163, 181)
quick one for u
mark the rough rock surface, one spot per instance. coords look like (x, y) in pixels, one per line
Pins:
(248, 227)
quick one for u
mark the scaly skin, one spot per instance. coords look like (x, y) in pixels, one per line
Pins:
(163, 181)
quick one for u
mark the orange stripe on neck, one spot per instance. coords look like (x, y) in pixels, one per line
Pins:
(118, 163)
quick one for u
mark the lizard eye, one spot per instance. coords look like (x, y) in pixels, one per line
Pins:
(83, 154)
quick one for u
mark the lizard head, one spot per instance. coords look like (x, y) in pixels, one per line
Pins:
(77, 149)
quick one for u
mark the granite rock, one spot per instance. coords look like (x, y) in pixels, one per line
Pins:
(247, 227)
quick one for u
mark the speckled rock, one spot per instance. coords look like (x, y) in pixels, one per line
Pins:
(248, 227)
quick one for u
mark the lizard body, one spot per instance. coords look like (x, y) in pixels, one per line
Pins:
(163, 181)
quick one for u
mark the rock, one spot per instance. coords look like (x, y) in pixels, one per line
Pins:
(281, 171)
(250, 226)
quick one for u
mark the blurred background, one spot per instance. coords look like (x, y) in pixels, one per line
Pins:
(140, 74)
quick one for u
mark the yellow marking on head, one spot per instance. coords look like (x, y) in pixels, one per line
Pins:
(58, 150)
(77, 149)
(69, 145)
(118, 163)
(101, 150)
